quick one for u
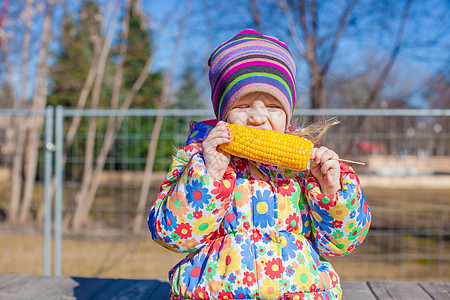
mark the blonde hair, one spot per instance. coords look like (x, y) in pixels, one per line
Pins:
(315, 132)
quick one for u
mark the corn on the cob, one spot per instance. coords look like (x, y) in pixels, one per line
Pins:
(269, 147)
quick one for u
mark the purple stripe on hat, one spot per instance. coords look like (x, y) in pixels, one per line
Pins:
(248, 48)
(250, 63)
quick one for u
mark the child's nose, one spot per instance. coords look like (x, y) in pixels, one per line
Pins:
(258, 115)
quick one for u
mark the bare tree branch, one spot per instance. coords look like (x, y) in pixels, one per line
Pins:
(377, 86)
(39, 101)
(83, 205)
(393, 55)
(292, 29)
(19, 124)
(157, 127)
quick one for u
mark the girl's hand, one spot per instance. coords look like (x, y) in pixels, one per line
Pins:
(325, 167)
(216, 160)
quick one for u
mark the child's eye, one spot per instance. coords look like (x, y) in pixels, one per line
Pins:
(273, 106)
(242, 106)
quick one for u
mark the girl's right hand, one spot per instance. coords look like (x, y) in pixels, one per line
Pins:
(216, 160)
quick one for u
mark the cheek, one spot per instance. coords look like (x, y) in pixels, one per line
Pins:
(278, 120)
(238, 118)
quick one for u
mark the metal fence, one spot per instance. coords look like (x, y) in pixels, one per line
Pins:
(406, 181)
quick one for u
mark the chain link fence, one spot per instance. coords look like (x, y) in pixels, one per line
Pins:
(406, 181)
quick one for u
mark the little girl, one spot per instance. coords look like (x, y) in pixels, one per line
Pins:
(255, 231)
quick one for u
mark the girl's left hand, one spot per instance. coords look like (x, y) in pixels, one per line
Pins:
(325, 167)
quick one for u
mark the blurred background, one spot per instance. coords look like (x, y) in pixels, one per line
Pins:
(77, 181)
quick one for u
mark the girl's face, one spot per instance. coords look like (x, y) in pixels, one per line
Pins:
(260, 110)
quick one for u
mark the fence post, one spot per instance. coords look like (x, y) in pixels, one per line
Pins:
(48, 165)
(59, 135)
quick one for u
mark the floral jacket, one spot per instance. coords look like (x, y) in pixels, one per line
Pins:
(261, 232)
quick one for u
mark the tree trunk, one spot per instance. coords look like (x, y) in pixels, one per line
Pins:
(110, 136)
(39, 101)
(308, 47)
(82, 208)
(157, 129)
(19, 124)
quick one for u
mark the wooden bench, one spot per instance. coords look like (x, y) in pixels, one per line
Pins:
(20, 287)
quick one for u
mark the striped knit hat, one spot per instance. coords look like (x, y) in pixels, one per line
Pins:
(251, 62)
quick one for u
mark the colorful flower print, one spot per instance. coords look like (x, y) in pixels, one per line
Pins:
(203, 225)
(200, 293)
(363, 214)
(337, 224)
(354, 233)
(170, 221)
(293, 222)
(305, 277)
(249, 278)
(352, 203)
(248, 248)
(197, 214)
(239, 195)
(347, 190)
(289, 271)
(240, 166)
(210, 270)
(285, 187)
(256, 235)
(325, 202)
(197, 195)
(239, 238)
(266, 238)
(231, 219)
(274, 268)
(338, 234)
(261, 250)
(321, 218)
(224, 295)
(229, 261)
(284, 283)
(264, 207)
(288, 246)
(270, 289)
(232, 278)
(223, 188)
(184, 230)
(333, 277)
(242, 293)
(179, 205)
(193, 272)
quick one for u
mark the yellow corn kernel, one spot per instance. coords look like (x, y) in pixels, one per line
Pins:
(269, 147)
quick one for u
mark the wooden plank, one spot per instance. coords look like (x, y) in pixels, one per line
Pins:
(398, 290)
(7, 279)
(18, 288)
(33, 287)
(53, 288)
(355, 290)
(437, 290)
